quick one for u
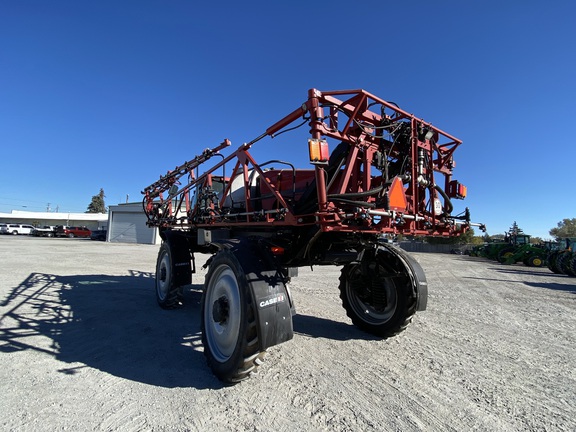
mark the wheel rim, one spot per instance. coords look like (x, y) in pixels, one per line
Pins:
(536, 262)
(163, 277)
(366, 302)
(222, 313)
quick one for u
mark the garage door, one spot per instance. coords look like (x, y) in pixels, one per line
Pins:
(130, 228)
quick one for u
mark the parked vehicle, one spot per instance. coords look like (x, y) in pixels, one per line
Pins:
(45, 231)
(59, 230)
(98, 235)
(389, 173)
(73, 231)
(16, 229)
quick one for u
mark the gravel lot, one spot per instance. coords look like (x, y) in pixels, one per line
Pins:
(83, 346)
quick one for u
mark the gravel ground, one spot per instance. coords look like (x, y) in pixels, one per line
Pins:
(83, 346)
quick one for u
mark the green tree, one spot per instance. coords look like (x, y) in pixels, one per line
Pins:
(97, 205)
(566, 228)
(515, 229)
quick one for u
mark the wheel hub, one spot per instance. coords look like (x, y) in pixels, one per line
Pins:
(221, 310)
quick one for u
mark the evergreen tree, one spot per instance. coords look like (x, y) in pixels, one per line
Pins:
(515, 230)
(97, 205)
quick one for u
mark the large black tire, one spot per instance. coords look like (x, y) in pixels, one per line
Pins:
(564, 263)
(375, 301)
(229, 324)
(553, 262)
(168, 294)
(572, 264)
(504, 254)
(534, 261)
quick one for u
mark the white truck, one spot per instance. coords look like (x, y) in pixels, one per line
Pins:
(16, 228)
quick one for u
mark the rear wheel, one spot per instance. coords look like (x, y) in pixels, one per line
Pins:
(505, 254)
(377, 296)
(563, 262)
(553, 262)
(572, 264)
(229, 327)
(168, 294)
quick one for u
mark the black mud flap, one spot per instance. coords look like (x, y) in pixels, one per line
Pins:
(180, 251)
(417, 275)
(269, 293)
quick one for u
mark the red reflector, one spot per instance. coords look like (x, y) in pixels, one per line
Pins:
(277, 250)
(319, 152)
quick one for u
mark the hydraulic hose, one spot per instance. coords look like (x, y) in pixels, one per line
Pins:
(356, 203)
(357, 194)
(447, 202)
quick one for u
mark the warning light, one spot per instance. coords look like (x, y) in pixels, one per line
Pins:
(457, 190)
(319, 153)
(277, 250)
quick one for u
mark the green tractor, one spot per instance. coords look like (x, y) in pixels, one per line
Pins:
(492, 250)
(519, 249)
(530, 255)
(563, 260)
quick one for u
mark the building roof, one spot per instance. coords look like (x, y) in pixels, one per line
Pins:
(55, 216)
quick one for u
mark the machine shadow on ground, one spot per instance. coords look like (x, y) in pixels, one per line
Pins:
(328, 329)
(113, 324)
(109, 323)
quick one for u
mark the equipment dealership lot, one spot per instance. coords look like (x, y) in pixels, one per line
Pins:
(84, 346)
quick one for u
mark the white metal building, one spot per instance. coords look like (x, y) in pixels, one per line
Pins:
(91, 220)
(127, 224)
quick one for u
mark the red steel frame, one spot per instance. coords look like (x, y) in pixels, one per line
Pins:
(428, 156)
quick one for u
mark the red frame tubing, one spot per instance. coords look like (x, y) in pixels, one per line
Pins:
(365, 131)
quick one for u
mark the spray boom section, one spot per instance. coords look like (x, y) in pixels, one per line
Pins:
(375, 169)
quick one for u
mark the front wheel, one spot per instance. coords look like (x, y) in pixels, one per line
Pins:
(534, 261)
(229, 327)
(168, 294)
(377, 298)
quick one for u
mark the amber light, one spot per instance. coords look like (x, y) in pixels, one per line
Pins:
(319, 152)
(457, 190)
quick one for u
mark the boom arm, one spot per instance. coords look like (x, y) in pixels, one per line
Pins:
(390, 172)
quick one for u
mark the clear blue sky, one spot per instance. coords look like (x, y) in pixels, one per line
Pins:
(112, 94)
